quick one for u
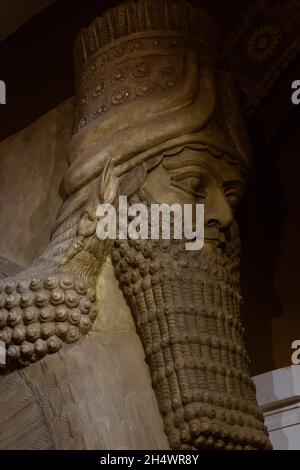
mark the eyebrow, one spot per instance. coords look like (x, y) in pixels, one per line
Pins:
(189, 172)
(235, 182)
(176, 162)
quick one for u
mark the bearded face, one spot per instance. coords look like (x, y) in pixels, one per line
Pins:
(186, 307)
(197, 177)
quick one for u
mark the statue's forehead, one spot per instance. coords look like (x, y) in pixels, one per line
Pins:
(203, 160)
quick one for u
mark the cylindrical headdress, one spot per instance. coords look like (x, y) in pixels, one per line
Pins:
(147, 81)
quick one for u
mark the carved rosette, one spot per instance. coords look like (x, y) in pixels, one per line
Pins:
(130, 71)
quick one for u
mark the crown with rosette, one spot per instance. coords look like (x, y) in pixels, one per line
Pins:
(106, 52)
(147, 80)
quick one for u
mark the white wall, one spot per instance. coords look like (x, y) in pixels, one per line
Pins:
(278, 393)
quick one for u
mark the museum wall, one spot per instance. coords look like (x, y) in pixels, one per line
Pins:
(32, 164)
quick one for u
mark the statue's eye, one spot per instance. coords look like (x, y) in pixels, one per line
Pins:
(233, 196)
(194, 184)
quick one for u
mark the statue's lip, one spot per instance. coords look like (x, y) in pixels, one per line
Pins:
(217, 238)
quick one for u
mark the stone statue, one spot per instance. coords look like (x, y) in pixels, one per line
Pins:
(158, 121)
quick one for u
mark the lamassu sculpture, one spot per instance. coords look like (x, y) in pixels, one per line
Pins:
(158, 121)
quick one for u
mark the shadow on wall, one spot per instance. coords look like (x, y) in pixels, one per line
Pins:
(262, 232)
(267, 222)
(32, 165)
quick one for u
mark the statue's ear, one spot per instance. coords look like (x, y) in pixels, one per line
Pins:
(108, 184)
(151, 164)
(103, 190)
(132, 180)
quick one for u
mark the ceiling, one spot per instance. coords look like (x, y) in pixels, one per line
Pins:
(14, 13)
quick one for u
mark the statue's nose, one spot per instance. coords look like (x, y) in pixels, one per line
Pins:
(217, 211)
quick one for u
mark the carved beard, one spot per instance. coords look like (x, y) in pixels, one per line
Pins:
(186, 307)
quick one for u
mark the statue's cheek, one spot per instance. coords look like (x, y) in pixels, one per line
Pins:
(234, 231)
